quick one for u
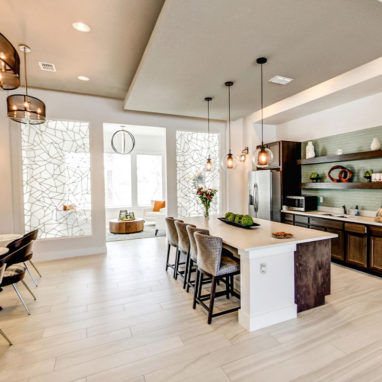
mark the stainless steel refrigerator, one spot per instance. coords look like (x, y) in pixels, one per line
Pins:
(264, 194)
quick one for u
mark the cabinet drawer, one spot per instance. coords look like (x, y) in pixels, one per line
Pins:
(375, 231)
(301, 219)
(288, 217)
(326, 223)
(301, 225)
(356, 228)
(317, 227)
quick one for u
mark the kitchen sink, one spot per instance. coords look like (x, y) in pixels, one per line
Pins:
(334, 215)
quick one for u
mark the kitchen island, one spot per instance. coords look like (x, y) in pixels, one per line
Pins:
(278, 277)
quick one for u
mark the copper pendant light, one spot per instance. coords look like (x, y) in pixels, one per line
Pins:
(263, 156)
(23, 108)
(9, 65)
(209, 162)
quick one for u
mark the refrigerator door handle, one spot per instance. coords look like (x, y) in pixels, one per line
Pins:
(256, 197)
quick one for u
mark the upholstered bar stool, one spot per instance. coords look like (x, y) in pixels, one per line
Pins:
(183, 248)
(213, 263)
(192, 261)
(172, 241)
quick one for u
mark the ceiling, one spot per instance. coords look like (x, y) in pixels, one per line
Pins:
(109, 54)
(166, 56)
(198, 45)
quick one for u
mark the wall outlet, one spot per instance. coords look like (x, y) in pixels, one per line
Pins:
(263, 268)
(321, 199)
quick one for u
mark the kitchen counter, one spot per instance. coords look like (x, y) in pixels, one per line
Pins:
(278, 278)
(350, 219)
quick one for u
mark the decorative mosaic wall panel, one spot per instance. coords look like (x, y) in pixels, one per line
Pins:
(56, 173)
(191, 157)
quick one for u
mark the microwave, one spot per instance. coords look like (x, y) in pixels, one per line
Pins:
(301, 203)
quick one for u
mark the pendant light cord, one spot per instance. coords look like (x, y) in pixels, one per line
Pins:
(262, 107)
(25, 72)
(229, 118)
(208, 126)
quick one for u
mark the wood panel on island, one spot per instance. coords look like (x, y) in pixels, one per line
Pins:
(357, 246)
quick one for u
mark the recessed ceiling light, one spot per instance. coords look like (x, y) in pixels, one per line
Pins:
(83, 78)
(281, 80)
(81, 27)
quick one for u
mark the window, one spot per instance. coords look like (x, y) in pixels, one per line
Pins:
(56, 178)
(118, 180)
(191, 155)
(149, 179)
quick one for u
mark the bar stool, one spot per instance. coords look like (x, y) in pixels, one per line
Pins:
(184, 248)
(172, 241)
(213, 263)
(192, 260)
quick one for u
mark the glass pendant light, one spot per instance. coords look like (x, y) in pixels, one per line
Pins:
(9, 65)
(243, 154)
(209, 162)
(23, 108)
(263, 156)
(231, 160)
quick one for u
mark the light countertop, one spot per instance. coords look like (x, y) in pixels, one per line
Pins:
(351, 219)
(259, 237)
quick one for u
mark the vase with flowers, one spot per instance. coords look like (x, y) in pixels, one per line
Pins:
(206, 196)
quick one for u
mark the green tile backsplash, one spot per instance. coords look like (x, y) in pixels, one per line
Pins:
(349, 142)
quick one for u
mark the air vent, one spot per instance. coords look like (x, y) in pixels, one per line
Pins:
(47, 67)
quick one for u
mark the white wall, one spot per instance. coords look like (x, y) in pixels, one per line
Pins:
(96, 111)
(356, 115)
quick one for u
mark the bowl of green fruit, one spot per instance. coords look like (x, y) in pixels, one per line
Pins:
(238, 220)
(315, 177)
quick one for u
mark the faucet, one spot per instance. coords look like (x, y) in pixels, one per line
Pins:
(345, 210)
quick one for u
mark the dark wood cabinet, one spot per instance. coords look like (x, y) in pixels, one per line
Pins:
(338, 244)
(356, 249)
(356, 244)
(375, 248)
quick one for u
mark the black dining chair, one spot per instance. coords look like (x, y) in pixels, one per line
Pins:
(15, 269)
(2, 270)
(32, 236)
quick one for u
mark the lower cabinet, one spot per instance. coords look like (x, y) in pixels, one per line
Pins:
(356, 249)
(338, 244)
(375, 249)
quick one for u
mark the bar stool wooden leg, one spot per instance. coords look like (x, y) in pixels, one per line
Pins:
(212, 300)
(227, 287)
(177, 256)
(186, 270)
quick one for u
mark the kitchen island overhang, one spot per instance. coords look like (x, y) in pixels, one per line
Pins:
(278, 278)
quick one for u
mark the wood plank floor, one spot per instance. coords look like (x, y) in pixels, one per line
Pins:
(121, 317)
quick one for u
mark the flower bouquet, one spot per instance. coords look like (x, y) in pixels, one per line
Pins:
(206, 196)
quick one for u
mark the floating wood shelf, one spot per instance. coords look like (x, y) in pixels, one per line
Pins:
(342, 157)
(343, 186)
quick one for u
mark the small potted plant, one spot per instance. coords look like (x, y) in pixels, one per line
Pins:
(206, 196)
(315, 177)
(368, 174)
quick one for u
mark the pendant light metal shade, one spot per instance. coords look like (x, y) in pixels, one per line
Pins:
(9, 65)
(23, 108)
(209, 162)
(263, 156)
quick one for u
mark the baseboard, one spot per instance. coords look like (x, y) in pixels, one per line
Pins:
(55, 255)
(267, 319)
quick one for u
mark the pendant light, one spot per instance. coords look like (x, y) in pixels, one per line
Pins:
(243, 154)
(23, 108)
(263, 156)
(9, 65)
(208, 163)
(231, 161)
